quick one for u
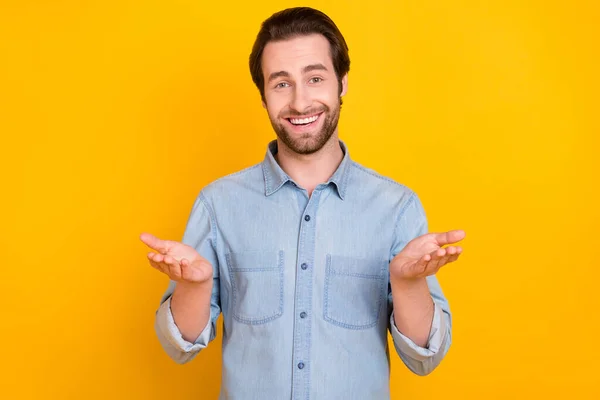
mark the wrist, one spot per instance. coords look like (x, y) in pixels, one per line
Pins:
(186, 286)
(409, 284)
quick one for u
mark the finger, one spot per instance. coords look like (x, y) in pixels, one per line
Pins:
(194, 271)
(450, 237)
(420, 266)
(456, 255)
(448, 259)
(443, 261)
(169, 260)
(157, 266)
(451, 250)
(156, 257)
(453, 258)
(436, 258)
(186, 270)
(154, 265)
(175, 270)
(173, 267)
(154, 243)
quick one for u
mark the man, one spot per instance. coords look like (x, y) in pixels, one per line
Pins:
(311, 257)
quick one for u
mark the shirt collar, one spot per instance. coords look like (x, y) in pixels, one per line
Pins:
(275, 177)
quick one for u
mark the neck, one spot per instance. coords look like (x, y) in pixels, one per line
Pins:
(310, 170)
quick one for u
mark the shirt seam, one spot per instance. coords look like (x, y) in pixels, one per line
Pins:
(213, 221)
(403, 210)
(377, 175)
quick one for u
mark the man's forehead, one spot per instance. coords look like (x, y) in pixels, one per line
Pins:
(297, 54)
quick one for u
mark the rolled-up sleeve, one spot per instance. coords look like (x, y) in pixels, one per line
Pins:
(200, 233)
(423, 360)
(179, 349)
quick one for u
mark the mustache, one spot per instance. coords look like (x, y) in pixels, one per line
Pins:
(296, 114)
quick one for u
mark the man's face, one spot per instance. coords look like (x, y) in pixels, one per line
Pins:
(302, 92)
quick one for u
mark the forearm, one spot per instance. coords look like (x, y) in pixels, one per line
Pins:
(413, 309)
(190, 306)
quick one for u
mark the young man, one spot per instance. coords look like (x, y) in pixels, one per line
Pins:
(310, 256)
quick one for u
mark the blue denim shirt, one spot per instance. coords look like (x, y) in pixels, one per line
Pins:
(303, 283)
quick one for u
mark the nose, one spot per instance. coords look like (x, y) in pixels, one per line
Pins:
(300, 99)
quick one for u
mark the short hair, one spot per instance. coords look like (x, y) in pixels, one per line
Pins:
(294, 22)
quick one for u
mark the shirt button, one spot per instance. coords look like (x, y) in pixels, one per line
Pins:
(302, 314)
(301, 365)
(304, 266)
(307, 218)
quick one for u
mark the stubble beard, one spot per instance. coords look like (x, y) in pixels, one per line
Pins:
(309, 142)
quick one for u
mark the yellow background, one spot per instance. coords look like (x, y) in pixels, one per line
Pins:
(114, 114)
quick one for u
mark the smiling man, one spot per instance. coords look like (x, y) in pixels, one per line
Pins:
(311, 257)
(304, 117)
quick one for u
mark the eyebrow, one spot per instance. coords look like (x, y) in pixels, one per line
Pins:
(314, 67)
(308, 68)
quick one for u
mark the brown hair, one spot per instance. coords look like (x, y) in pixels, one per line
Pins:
(293, 22)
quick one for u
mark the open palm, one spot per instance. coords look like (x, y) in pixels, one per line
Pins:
(424, 255)
(177, 260)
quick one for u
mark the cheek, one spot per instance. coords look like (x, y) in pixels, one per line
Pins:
(275, 105)
(272, 111)
(328, 95)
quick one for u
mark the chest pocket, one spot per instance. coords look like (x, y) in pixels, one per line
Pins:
(257, 285)
(354, 291)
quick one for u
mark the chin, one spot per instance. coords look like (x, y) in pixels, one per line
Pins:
(305, 140)
(305, 144)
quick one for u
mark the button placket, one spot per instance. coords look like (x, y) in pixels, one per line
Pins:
(303, 298)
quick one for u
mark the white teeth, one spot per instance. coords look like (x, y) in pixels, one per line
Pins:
(297, 121)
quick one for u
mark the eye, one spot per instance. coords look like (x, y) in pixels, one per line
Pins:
(281, 85)
(316, 79)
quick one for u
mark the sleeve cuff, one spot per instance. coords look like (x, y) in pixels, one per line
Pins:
(434, 343)
(171, 333)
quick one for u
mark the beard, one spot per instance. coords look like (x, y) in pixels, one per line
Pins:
(309, 142)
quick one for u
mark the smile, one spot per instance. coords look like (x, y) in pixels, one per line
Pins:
(304, 121)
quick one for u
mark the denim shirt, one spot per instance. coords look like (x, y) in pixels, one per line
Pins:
(303, 283)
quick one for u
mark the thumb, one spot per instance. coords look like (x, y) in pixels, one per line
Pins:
(154, 243)
(450, 237)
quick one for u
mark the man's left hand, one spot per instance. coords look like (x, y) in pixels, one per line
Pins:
(424, 255)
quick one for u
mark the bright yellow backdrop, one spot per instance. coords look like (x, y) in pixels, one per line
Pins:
(114, 114)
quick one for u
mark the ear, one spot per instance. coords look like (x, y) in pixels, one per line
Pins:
(264, 104)
(344, 85)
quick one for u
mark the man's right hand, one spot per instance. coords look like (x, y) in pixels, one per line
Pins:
(178, 261)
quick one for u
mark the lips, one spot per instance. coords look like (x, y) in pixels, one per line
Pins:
(300, 124)
(303, 121)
